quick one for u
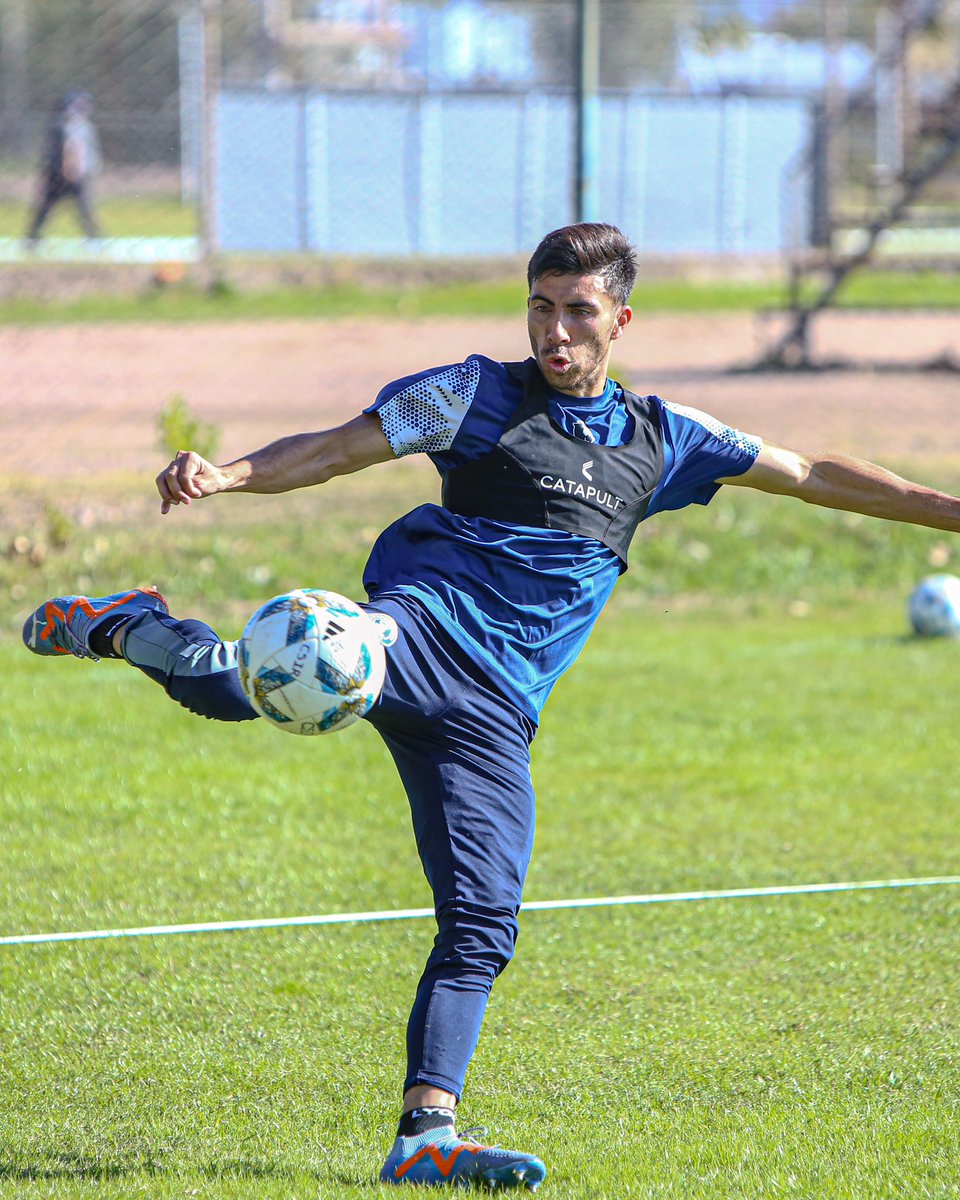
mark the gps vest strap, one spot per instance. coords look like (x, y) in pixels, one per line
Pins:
(538, 475)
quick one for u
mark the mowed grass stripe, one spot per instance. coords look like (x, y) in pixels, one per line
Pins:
(797, 1046)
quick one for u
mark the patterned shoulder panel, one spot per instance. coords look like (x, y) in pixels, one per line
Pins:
(423, 417)
(723, 433)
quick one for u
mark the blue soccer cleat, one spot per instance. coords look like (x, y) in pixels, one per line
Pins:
(444, 1157)
(63, 625)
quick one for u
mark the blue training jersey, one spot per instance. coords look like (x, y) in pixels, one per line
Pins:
(522, 599)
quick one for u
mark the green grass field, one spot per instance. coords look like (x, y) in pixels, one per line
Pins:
(752, 714)
(125, 216)
(357, 294)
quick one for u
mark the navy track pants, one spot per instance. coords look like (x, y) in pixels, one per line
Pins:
(462, 749)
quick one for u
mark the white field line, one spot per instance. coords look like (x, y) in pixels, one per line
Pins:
(401, 914)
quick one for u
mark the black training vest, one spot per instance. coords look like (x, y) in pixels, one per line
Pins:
(538, 475)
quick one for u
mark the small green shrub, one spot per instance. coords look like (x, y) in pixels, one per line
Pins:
(59, 527)
(179, 429)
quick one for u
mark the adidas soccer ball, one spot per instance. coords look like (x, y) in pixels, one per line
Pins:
(311, 661)
(934, 606)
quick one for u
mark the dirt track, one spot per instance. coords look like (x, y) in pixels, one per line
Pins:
(80, 399)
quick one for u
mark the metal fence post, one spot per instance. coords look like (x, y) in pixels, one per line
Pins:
(190, 70)
(14, 89)
(586, 201)
(207, 191)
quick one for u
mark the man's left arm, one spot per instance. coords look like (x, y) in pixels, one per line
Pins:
(852, 484)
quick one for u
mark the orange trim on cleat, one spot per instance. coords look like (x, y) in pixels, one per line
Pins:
(443, 1162)
(63, 625)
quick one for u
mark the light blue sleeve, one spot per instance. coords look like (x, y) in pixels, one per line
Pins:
(697, 451)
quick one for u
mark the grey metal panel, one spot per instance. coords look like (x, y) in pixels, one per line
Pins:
(547, 167)
(441, 173)
(683, 183)
(479, 163)
(778, 133)
(364, 189)
(260, 198)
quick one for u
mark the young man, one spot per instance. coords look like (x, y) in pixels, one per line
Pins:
(548, 467)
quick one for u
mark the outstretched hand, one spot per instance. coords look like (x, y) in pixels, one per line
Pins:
(188, 477)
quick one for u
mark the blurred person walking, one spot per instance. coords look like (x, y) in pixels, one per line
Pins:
(70, 161)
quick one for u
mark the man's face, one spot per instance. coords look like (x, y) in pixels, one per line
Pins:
(573, 321)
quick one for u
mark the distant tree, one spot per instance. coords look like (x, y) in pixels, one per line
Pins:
(126, 53)
(14, 97)
(806, 18)
(638, 40)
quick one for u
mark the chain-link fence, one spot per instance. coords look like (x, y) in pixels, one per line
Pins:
(446, 126)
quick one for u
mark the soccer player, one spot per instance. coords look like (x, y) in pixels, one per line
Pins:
(548, 466)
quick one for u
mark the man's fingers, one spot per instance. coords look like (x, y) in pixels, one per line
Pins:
(189, 465)
(178, 482)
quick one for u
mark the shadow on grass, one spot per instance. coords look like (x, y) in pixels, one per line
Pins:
(76, 1166)
(79, 1166)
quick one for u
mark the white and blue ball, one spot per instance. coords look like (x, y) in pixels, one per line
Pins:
(311, 661)
(934, 607)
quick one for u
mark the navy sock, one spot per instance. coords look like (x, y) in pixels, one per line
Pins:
(422, 1120)
(101, 636)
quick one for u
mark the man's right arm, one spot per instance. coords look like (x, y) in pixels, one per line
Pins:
(303, 460)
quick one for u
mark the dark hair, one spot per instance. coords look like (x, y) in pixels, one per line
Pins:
(587, 249)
